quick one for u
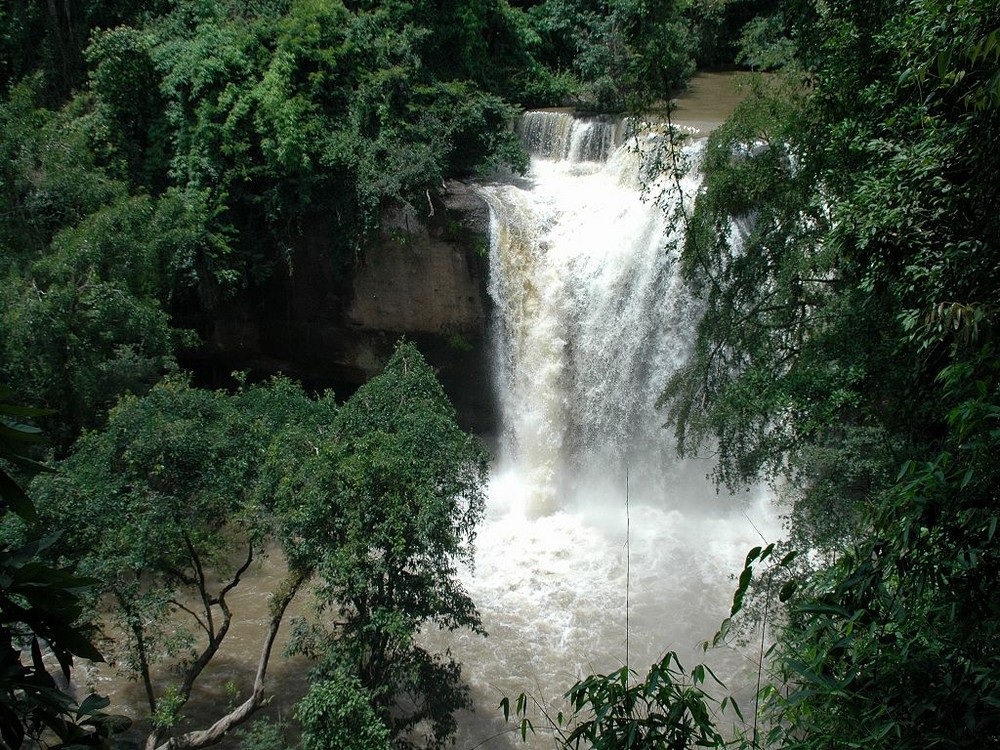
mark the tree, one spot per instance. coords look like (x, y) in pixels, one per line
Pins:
(51, 175)
(49, 39)
(380, 514)
(90, 268)
(823, 233)
(625, 54)
(161, 507)
(87, 322)
(846, 242)
(339, 712)
(376, 502)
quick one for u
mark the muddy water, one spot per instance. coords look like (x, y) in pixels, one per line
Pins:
(580, 590)
(709, 99)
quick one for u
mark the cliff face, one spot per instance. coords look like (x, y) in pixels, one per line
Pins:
(419, 279)
(422, 277)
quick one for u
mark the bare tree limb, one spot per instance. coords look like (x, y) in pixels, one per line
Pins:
(238, 574)
(206, 737)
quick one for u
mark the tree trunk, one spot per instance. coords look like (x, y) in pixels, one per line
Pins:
(218, 730)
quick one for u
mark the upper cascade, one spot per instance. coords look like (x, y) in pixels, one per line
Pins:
(561, 136)
(591, 313)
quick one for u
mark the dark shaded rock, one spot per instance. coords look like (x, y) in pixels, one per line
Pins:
(423, 277)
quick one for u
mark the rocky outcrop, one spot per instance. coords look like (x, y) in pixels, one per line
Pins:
(423, 277)
(419, 275)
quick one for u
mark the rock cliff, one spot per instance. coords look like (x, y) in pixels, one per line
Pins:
(423, 276)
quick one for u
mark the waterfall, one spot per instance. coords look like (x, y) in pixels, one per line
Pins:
(591, 319)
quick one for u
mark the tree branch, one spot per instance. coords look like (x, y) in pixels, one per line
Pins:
(135, 624)
(218, 730)
(194, 614)
(237, 575)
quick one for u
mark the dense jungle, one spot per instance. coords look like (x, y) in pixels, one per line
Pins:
(172, 169)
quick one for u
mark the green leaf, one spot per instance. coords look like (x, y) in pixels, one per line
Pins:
(810, 675)
(526, 726)
(823, 609)
(943, 62)
(736, 706)
(92, 704)
(787, 590)
(16, 499)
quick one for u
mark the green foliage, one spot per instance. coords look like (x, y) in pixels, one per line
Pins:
(90, 269)
(167, 713)
(752, 251)
(319, 109)
(161, 507)
(51, 176)
(40, 607)
(626, 54)
(764, 45)
(85, 322)
(49, 39)
(126, 89)
(663, 711)
(201, 141)
(381, 513)
(846, 233)
(263, 734)
(338, 712)
(895, 644)
(667, 710)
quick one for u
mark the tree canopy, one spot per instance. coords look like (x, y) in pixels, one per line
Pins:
(846, 241)
(161, 510)
(382, 511)
(373, 504)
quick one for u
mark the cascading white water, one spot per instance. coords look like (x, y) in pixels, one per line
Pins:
(591, 319)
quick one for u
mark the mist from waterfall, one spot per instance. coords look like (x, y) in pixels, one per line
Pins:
(591, 319)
